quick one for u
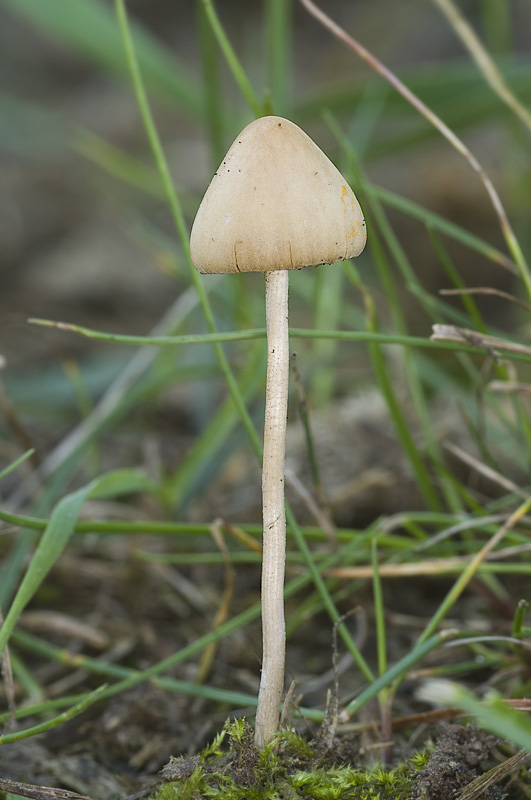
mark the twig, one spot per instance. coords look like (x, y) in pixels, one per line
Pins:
(452, 333)
(486, 290)
(39, 792)
(478, 787)
(486, 471)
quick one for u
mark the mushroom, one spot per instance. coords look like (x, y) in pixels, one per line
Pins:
(276, 203)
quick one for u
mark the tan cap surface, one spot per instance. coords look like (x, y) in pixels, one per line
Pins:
(276, 202)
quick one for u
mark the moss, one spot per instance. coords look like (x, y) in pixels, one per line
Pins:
(288, 768)
(292, 768)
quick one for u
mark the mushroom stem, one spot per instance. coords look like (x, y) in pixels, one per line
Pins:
(274, 515)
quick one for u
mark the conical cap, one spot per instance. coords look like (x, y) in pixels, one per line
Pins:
(276, 202)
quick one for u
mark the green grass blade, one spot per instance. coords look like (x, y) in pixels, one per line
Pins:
(278, 14)
(400, 669)
(49, 724)
(98, 666)
(20, 460)
(202, 453)
(178, 217)
(468, 573)
(212, 87)
(327, 601)
(379, 611)
(58, 531)
(154, 341)
(519, 353)
(235, 67)
(442, 225)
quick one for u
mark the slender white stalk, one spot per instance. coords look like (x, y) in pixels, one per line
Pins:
(274, 517)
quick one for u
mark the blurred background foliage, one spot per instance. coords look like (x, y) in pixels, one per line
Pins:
(86, 237)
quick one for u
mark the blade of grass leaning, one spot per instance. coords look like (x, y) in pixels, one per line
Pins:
(20, 460)
(397, 672)
(202, 452)
(328, 603)
(58, 531)
(89, 28)
(435, 222)
(278, 35)
(14, 563)
(44, 727)
(212, 87)
(178, 216)
(235, 67)
(505, 226)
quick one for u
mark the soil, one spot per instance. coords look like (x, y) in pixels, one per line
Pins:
(131, 616)
(461, 755)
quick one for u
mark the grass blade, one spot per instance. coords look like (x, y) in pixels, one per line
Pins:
(49, 724)
(58, 531)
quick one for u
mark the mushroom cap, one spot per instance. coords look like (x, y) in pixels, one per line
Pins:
(276, 202)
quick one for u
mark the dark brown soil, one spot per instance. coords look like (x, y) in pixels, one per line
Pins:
(461, 755)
